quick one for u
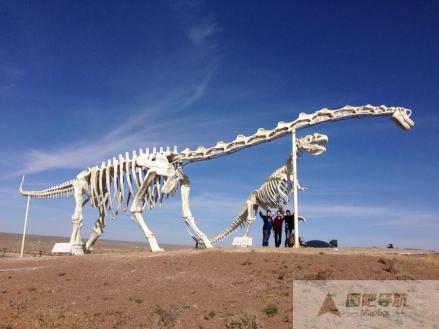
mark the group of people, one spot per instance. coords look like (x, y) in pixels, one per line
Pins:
(276, 225)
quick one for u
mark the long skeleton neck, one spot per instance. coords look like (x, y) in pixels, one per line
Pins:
(399, 114)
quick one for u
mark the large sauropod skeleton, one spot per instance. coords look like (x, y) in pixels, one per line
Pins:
(277, 189)
(133, 184)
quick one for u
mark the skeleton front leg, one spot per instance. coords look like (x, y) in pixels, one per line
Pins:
(77, 218)
(138, 218)
(187, 214)
(136, 210)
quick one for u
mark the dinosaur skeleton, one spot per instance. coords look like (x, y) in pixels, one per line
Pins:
(131, 184)
(277, 189)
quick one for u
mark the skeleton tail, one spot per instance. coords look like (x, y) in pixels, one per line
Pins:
(237, 223)
(58, 191)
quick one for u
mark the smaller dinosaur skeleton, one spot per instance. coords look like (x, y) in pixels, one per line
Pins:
(277, 189)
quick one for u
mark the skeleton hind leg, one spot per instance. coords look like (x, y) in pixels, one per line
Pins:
(97, 231)
(77, 247)
(252, 210)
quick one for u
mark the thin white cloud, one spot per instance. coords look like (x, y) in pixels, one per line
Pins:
(200, 33)
(11, 69)
(7, 191)
(375, 216)
(199, 90)
(146, 128)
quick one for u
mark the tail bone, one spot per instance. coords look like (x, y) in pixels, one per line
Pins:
(57, 191)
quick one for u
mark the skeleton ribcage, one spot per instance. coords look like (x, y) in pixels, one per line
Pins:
(113, 187)
(276, 191)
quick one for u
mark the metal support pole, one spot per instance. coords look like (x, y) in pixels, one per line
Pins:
(295, 201)
(25, 224)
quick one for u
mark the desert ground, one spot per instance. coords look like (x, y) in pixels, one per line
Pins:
(123, 285)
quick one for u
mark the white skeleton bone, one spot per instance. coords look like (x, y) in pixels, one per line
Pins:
(145, 178)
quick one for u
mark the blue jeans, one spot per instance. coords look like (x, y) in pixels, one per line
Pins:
(288, 232)
(277, 238)
(265, 237)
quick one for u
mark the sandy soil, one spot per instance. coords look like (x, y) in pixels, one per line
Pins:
(128, 287)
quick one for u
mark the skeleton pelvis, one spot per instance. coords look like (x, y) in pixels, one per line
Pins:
(160, 164)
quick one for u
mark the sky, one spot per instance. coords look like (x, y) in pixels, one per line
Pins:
(84, 81)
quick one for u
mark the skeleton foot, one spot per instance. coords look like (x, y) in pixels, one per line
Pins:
(205, 242)
(91, 241)
(77, 249)
(153, 243)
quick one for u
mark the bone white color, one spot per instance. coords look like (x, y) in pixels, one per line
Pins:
(142, 181)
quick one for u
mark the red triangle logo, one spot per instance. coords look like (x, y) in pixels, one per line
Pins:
(328, 306)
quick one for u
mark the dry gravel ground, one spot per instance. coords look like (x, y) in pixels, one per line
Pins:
(126, 287)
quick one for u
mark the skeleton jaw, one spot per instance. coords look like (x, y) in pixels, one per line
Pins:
(401, 117)
(314, 144)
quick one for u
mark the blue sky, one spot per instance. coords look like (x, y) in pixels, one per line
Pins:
(81, 82)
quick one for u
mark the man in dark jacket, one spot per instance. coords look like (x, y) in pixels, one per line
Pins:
(277, 228)
(289, 226)
(266, 229)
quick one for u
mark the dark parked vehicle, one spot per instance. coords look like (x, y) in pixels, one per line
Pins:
(318, 244)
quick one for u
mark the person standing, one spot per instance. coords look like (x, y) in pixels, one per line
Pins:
(266, 229)
(277, 228)
(289, 226)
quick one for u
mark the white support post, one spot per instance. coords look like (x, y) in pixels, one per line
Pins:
(295, 201)
(25, 224)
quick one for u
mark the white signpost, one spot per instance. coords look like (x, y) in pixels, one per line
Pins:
(242, 241)
(295, 197)
(62, 248)
(25, 225)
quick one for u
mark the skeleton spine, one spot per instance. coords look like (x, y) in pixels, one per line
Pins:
(284, 128)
